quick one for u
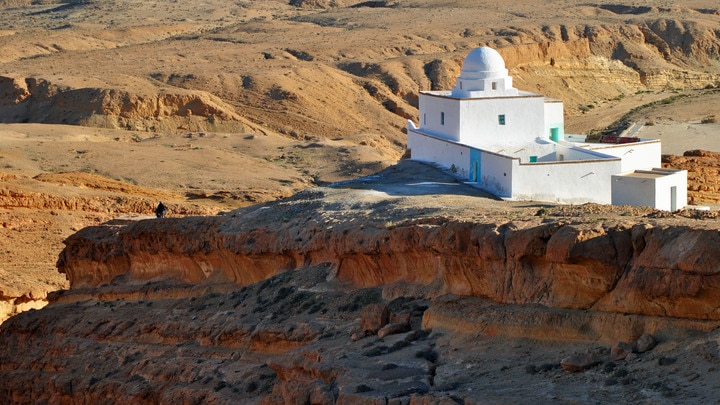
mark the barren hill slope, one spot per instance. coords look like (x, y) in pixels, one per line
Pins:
(379, 289)
(316, 70)
(108, 107)
(226, 104)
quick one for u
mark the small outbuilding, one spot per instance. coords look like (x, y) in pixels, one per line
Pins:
(664, 189)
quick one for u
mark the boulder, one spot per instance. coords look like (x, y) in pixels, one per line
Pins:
(400, 318)
(645, 343)
(393, 328)
(579, 362)
(374, 317)
(620, 351)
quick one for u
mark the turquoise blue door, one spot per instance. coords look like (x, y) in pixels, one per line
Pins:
(475, 165)
(554, 134)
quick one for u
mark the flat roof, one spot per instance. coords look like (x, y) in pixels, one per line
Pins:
(602, 158)
(650, 174)
(644, 175)
(448, 94)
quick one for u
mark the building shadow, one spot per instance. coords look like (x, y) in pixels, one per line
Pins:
(409, 177)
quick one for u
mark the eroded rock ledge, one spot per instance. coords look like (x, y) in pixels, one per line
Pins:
(491, 295)
(373, 234)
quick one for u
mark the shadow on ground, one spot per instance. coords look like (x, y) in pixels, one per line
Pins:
(409, 177)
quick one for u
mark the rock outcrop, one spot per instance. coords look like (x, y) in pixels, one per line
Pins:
(703, 168)
(37, 214)
(265, 303)
(40, 100)
(616, 266)
(14, 301)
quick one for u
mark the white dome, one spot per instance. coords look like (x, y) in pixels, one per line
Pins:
(483, 75)
(484, 59)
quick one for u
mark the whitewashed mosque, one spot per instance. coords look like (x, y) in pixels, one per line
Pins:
(513, 144)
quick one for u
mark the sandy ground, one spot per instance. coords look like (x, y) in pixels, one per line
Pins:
(678, 137)
(316, 90)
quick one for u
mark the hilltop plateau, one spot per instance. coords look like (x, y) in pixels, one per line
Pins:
(273, 131)
(383, 289)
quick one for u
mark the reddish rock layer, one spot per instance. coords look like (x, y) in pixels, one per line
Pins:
(703, 168)
(643, 268)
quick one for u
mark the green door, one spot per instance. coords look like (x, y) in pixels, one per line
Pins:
(554, 134)
(673, 199)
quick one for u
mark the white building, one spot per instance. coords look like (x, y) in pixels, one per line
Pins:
(650, 187)
(513, 144)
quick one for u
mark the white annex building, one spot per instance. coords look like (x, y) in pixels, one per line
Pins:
(513, 144)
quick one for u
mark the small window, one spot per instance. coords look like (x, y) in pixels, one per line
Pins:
(494, 86)
(460, 85)
(501, 119)
(442, 118)
(424, 119)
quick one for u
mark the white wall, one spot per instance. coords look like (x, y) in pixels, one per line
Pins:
(576, 181)
(574, 153)
(524, 121)
(431, 107)
(475, 121)
(570, 182)
(635, 191)
(663, 194)
(442, 152)
(496, 174)
(554, 117)
(579, 138)
(635, 156)
(651, 191)
(543, 152)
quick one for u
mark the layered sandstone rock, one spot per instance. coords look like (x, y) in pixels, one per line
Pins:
(703, 173)
(41, 100)
(13, 301)
(620, 267)
(37, 214)
(207, 309)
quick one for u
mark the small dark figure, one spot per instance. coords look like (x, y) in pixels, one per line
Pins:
(160, 210)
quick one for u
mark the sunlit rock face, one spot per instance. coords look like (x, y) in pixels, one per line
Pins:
(613, 267)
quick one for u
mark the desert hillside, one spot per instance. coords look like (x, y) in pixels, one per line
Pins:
(309, 69)
(238, 115)
(377, 290)
(228, 104)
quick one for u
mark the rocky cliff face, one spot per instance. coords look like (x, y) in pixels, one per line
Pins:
(702, 167)
(271, 303)
(37, 214)
(621, 267)
(147, 109)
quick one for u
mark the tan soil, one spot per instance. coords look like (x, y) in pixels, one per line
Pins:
(288, 97)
